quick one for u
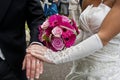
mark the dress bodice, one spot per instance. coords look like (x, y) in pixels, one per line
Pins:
(92, 17)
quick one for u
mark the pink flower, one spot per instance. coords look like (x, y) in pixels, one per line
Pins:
(45, 25)
(57, 43)
(57, 31)
(65, 19)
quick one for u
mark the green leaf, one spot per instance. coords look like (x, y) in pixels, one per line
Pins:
(45, 38)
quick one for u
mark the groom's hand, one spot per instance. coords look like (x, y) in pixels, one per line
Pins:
(34, 67)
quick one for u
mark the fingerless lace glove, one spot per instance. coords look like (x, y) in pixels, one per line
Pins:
(83, 49)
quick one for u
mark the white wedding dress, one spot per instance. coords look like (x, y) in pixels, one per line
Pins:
(104, 64)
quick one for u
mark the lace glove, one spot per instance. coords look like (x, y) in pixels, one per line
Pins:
(78, 51)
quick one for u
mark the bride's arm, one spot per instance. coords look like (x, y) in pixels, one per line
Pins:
(111, 24)
(109, 28)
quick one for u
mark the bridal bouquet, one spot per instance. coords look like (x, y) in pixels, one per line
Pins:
(58, 32)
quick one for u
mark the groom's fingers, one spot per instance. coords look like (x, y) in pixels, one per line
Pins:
(33, 67)
(41, 67)
(28, 65)
(24, 64)
(38, 65)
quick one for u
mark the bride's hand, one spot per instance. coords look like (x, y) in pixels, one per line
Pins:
(39, 52)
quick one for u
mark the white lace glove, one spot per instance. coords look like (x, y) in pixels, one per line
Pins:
(78, 51)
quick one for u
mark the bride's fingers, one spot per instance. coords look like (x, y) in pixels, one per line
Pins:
(37, 47)
(41, 57)
(38, 51)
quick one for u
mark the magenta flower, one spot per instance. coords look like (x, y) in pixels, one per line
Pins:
(57, 43)
(67, 33)
(48, 31)
(41, 32)
(70, 40)
(53, 20)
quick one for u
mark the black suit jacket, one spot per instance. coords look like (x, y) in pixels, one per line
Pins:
(13, 14)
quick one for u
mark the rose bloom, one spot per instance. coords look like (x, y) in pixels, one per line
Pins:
(65, 19)
(57, 31)
(57, 43)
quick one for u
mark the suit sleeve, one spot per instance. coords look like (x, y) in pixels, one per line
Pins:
(35, 17)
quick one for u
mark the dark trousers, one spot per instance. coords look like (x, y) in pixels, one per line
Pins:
(6, 73)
